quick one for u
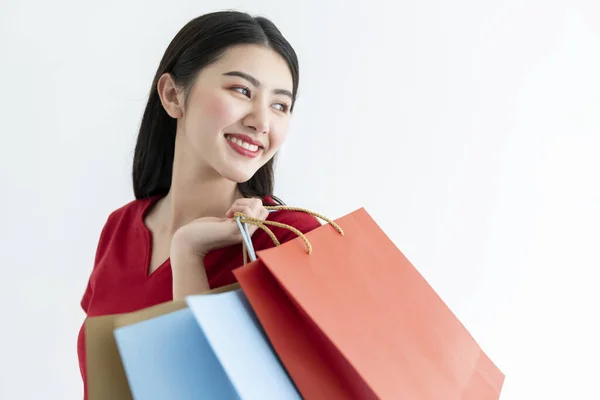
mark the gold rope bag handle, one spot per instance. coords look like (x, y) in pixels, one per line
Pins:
(262, 224)
(314, 214)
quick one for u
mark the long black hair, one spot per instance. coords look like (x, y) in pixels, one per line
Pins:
(201, 42)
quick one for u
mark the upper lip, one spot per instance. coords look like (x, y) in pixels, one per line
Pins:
(246, 139)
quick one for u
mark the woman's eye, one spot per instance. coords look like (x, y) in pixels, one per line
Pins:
(281, 106)
(243, 90)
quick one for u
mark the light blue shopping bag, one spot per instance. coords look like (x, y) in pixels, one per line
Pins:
(213, 349)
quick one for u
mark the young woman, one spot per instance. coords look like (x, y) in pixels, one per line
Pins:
(217, 113)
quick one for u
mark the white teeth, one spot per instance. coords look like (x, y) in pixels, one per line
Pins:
(241, 143)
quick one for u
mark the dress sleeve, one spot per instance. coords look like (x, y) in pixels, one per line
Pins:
(100, 249)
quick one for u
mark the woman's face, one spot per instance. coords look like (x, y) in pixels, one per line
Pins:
(237, 113)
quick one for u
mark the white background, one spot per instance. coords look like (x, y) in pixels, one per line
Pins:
(468, 129)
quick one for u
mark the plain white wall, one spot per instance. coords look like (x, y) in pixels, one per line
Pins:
(468, 129)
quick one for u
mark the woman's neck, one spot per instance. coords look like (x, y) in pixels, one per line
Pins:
(196, 191)
(186, 202)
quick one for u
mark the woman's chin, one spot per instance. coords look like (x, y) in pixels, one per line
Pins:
(238, 176)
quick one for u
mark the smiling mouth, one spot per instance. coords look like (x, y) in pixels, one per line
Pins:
(242, 143)
(243, 147)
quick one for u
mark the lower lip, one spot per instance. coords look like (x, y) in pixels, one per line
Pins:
(245, 152)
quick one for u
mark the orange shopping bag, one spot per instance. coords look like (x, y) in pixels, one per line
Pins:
(352, 318)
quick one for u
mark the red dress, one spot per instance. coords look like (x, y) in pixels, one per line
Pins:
(120, 283)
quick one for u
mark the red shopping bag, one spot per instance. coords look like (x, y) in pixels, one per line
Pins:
(354, 319)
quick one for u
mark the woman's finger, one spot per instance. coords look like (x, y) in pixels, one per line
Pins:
(241, 209)
(263, 213)
(248, 201)
(251, 206)
(254, 204)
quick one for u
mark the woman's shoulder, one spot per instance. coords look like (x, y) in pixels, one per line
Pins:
(126, 216)
(131, 210)
(123, 225)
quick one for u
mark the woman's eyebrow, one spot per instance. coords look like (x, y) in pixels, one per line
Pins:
(256, 83)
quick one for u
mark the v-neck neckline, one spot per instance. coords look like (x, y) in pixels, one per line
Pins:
(148, 238)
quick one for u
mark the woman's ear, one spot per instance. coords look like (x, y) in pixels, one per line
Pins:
(170, 95)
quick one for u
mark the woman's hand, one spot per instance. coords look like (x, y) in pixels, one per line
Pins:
(205, 234)
(194, 240)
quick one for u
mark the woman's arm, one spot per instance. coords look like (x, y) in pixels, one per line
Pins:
(192, 241)
(189, 275)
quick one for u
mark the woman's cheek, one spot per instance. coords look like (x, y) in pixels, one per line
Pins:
(222, 111)
(278, 136)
